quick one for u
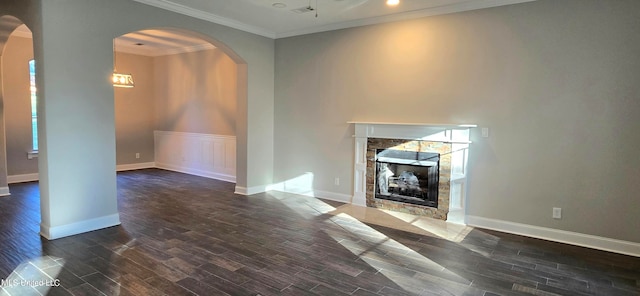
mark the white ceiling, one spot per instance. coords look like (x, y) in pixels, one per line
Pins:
(262, 18)
(159, 42)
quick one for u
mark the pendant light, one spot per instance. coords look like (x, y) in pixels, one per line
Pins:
(120, 79)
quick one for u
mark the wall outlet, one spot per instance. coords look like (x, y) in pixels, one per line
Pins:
(557, 213)
(337, 182)
(137, 155)
(485, 132)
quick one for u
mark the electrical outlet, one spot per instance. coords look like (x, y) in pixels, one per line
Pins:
(485, 132)
(557, 213)
(337, 181)
(137, 155)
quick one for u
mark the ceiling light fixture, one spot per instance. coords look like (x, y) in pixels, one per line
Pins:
(393, 2)
(279, 5)
(120, 79)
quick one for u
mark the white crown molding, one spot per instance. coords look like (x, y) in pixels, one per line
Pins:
(445, 9)
(171, 6)
(440, 10)
(561, 236)
(155, 52)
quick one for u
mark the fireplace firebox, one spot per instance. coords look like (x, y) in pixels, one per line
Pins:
(406, 176)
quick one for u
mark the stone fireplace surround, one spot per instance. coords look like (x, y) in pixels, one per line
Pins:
(450, 140)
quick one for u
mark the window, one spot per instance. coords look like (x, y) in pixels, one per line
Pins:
(34, 106)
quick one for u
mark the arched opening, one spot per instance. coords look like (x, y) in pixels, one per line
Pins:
(19, 133)
(181, 114)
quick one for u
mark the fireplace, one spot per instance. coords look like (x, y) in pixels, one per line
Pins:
(422, 166)
(406, 176)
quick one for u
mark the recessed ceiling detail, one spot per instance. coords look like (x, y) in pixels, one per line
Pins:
(259, 17)
(159, 43)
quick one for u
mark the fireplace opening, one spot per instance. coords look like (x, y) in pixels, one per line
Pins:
(406, 176)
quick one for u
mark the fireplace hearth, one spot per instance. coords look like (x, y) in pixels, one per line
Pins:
(408, 177)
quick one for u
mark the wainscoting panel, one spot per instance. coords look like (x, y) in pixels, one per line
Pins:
(212, 156)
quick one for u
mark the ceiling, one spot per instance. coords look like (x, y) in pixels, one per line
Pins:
(159, 42)
(148, 42)
(270, 19)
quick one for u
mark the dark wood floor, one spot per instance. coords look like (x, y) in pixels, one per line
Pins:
(186, 235)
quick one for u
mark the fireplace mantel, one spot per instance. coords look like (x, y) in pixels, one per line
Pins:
(452, 134)
(443, 132)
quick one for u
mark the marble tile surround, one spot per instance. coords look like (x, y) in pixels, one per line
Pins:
(443, 148)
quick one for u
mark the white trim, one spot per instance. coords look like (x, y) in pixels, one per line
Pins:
(23, 178)
(240, 190)
(192, 171)
(556, 235)
(308, 191)
(135, 166)
(251, 190)
(52, 233)
(121, 167)
(32, 154)
(181, 9)
(340, 197)
(345, 198)
(4, 191)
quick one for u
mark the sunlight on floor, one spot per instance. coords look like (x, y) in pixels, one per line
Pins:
(34, 277)
(386, 255)
(407, 222)
(373, 245)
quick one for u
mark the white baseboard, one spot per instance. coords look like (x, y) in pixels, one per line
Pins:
(251, 190)
(192, 171)
(305, 190)
(135, 166)
(121, 167)
(4, 191)
(22, 178)
(561, 236)
(52, 233)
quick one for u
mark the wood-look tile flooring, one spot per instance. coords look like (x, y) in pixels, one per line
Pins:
(187, 235)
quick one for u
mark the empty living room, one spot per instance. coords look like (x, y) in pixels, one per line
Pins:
(332, 147)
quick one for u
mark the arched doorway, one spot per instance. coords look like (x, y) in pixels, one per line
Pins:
(18, 162)
(73, 50)
(180, 113)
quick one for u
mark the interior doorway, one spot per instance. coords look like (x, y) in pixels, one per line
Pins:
(181, 112)
(19, 101)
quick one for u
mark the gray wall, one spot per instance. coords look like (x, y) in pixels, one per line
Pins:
(77, 134)
(17, 105)
(134, 110)
(189, 92)
(555, 81)
(196, 92)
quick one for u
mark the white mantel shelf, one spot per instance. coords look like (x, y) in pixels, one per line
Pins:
(438, 132)
(434, 125)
